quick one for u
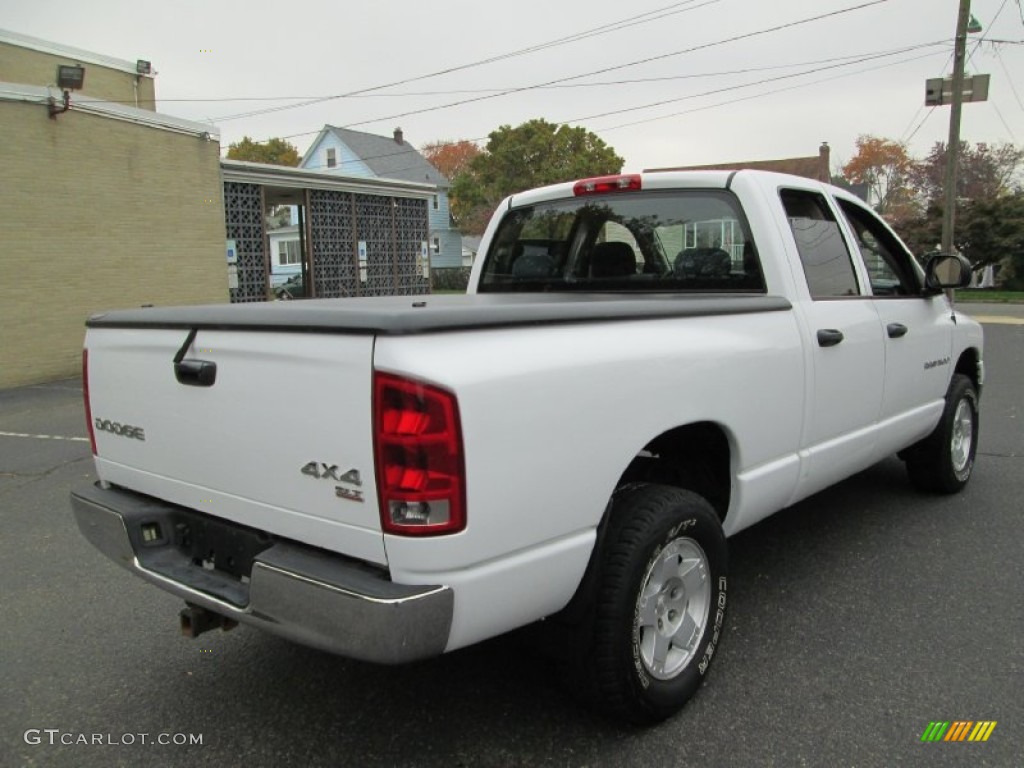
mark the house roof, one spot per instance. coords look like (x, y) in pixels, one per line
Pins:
(282, 176)
(389, 157)
(813, 167)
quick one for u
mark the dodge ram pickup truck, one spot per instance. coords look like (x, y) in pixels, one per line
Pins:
(643, 366)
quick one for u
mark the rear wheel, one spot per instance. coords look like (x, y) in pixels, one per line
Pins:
(660, 604)
(944, 460)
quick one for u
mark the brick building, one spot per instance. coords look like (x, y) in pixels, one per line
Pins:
(811, 167)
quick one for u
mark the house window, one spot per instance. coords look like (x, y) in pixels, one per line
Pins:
(437, 245)
(288, 252)
(437, 202)
(332, 157)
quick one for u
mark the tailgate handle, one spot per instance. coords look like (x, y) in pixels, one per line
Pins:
(194, 373)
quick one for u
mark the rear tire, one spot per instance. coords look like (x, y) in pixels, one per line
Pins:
(943, 461)
(659, 604)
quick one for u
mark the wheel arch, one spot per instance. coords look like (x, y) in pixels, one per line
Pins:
(969, 364)
(696, 457)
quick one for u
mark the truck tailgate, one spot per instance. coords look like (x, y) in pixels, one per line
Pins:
(280, 441)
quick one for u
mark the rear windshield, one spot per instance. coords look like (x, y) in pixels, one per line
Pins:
(640, 241)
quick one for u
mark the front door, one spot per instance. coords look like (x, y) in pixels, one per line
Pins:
(917, 329)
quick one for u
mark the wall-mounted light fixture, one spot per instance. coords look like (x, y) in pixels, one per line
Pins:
(70, 77)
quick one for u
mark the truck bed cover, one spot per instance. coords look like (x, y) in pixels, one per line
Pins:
(397, 315)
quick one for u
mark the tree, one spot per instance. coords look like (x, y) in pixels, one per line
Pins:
(988, 231)
(983, 171)
(887, 169)
(991, 230)
(274, 151)
(530, 155)
(450, 157)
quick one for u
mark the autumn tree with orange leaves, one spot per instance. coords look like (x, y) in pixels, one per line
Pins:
(450, 157)
(888, 171)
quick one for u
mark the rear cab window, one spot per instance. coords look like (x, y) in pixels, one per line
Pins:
(680, 240)
(824, 255)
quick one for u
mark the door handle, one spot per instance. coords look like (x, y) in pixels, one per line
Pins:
(829, 337)
(895, 330)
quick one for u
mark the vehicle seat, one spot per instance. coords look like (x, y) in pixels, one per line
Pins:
(703, 263)
(531, 266)
(612, 260)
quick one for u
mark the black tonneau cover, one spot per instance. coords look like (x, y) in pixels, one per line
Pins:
(394, 315)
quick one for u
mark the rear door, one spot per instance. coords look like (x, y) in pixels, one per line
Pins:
(280, 441)
(845, 350)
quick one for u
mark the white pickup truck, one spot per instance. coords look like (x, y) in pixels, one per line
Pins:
(643, 366)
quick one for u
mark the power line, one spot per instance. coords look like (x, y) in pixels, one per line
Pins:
(746, 85)
(918, 128)
(1009, 77)
(868, 57)
(561, 86)
(761, 94)
(615, 26)
(903, 133)
(1003, 121)
(603, 70)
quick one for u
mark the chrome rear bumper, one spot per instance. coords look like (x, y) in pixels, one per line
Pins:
(295, 591)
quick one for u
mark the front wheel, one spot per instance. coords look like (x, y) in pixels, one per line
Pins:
(944, 460)
(660, 603)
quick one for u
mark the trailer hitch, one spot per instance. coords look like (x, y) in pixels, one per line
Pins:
(196, 620)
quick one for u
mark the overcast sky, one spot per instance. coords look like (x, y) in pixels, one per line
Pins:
(210, 55)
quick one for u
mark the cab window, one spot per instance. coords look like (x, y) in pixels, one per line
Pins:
(887, 262)
(824, 255)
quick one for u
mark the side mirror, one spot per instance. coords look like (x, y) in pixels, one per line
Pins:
(947, 270)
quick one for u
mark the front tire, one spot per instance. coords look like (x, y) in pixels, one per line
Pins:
(660, 603)
(943, 461)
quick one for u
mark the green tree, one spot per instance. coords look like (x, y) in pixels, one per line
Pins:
(530, 155)
(983, 171)
(274, 151)
(987, 231)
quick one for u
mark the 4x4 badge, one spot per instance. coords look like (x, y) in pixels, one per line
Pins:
(323, 471)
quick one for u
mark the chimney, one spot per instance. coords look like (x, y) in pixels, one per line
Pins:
(398, 135)
(824, 173)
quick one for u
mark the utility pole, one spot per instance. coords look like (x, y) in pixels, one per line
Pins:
(953, 146)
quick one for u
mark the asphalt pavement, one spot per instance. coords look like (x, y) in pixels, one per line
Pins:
(856, 618)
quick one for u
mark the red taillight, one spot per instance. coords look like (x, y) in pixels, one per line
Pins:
(85, 395)
(601, 185)
(421, 481)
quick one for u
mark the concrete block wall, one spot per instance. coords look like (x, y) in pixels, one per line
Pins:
(98, 214)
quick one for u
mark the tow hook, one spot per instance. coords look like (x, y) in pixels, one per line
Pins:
(196, 620)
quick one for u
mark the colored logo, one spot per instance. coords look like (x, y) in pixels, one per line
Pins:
(958, 730)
